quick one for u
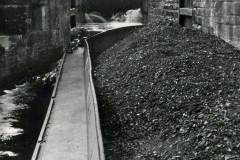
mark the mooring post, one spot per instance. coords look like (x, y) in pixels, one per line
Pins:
(144, 9)
(185, 13)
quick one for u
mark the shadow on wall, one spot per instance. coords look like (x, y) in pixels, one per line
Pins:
(42, 36)
(20, 61)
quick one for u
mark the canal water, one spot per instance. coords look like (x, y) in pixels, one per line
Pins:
(22, 110)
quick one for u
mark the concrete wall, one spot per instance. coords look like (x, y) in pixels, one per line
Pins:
(104, 40)
(219, 17)
(94, 46)
(42, 36)
(95, 142)
(163, 7)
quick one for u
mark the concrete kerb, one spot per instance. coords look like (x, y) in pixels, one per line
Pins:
(58, 77)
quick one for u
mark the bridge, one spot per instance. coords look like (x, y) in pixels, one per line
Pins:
(71, 129)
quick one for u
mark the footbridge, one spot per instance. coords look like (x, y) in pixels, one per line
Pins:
(71, 129)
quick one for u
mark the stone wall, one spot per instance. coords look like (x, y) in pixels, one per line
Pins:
(21, 61)
(163, 7)
(45, 37)
(219, 17)
(14, 23)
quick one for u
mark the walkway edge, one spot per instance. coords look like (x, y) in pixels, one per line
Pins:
(93, 153)
(49, 111)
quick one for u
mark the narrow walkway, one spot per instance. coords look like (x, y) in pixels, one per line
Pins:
(66, 134)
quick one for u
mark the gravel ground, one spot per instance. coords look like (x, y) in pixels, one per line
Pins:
(169, 93)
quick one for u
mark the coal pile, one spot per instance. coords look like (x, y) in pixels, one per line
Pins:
(169, 93)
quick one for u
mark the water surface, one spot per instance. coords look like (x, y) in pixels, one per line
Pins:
(22, 111)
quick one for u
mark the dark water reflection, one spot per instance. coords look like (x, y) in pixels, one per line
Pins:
(22, 111)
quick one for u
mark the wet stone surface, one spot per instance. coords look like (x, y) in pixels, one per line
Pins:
(169, 93)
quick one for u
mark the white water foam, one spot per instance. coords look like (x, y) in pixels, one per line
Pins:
(7, 108)
(134, 16)
(8, 153)
(130, 18)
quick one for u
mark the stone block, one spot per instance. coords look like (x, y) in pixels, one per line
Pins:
(227, 8)
(186, 11)
(224, 31)
(204, 12)
(236, 33)
(158, 12)
(228, 19)
(236, 8)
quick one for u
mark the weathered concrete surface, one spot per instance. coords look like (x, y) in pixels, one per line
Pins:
(104, 40)
(66, 135)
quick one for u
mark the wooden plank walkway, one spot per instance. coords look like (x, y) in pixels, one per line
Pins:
(66, 133)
